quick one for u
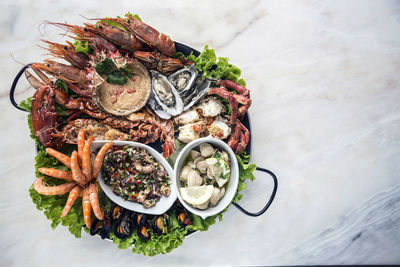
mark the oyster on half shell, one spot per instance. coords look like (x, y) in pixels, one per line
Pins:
(183, 79)
(165, 94)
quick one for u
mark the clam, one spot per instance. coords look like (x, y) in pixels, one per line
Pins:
(194, 178)
(217, 194)
(165, 94)
(225, 156)
(190, 164)
(197, 160)
(202, 166)
(185, 173)
(202, 206)
(195, 154)
(206, 150)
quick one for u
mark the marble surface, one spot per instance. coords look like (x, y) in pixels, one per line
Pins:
(325, 118)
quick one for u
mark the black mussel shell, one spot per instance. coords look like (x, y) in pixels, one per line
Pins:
(143, 232)
(101, 227)
(183, 218)
(140, 219)
(124, 225)
(160, 224)
(116, 212)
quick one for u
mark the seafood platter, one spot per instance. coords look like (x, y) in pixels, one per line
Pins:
(140, 139)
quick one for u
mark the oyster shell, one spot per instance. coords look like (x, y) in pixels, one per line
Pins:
(199, 89)
(183, 79)
(165, 94)
(157, 108)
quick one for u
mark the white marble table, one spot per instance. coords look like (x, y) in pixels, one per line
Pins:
(325, 117)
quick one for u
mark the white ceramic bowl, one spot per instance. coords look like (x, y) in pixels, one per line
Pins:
(162, 205)
(232, 184)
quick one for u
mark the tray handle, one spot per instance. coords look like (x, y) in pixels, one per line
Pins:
(14, 85)
(271, 198)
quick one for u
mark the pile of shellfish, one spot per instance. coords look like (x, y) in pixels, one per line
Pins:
(124, 79)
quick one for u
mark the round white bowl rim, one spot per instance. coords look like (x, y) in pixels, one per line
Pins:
(233, 181)
(163, 204)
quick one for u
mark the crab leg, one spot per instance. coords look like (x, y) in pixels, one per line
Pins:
(244, 138)
(235, 86)
(230, 97)
(246, 103)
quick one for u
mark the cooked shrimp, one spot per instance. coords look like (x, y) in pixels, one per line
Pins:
(94, 201)
(73, 195)
(76, 171)
(87, 209)
(60, 156)
(98, 161)
(43, 189)
(81, 143)
(86, 159)
(66, 175)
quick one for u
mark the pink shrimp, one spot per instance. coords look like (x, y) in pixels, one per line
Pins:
(73, 195)
(43, 189)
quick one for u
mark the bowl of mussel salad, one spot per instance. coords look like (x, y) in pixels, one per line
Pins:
(136, 177)
(206, 176)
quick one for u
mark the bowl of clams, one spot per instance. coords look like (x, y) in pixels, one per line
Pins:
(206, 176)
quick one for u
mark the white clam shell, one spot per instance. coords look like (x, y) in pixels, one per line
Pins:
(194, 179)
(206, 150)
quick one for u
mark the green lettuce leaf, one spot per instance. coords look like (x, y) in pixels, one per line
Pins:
(26, 104)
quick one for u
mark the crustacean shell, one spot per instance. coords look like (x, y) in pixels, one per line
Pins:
(165, 94)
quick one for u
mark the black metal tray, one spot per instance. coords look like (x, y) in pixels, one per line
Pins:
(186, 50)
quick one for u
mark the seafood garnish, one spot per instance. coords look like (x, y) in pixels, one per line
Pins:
(165, 94)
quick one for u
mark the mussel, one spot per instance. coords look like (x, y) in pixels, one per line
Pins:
(124, 225)
(160, 224)
(143, 232)
(183, 217)
(101, 226)
(116, 212)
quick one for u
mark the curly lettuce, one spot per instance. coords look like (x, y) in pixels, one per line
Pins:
(212, 67)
